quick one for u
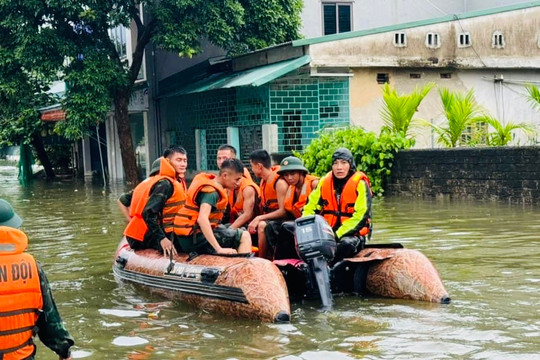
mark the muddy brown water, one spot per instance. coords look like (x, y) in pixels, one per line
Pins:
(488, 255)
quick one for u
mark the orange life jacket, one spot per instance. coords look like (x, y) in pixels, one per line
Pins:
(137, 228)
(21, 300)
(247, 174)
(185, 222)
(295, 207)
(331, 209)
(236, 199)
(269, 201)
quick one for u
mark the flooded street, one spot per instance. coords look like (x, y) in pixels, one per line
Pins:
(487, 253)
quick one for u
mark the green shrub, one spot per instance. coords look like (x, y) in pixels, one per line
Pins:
(373, 154)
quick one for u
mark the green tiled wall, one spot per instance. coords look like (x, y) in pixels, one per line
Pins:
(299, 104)
(213, 111)
(334, 102)
(303, 105)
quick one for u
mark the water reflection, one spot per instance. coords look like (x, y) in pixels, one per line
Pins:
(487, 254)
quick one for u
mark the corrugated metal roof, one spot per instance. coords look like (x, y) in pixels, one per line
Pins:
(253, 77)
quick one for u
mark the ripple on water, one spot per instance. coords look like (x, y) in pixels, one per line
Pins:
(319, 355)
(110, 324)
(501, 355)
(122, 313)
(81, 354)
(420, 348)
(129, 341)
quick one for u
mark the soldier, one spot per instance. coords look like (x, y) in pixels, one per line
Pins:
(124, 201)
(198, 221)
(243, 201)
(273, 191)
(343, 197)
(301, 184)
(26, 301)
(155, 203)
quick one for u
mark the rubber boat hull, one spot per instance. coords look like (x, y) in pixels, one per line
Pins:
(242, 287)
(390, 271)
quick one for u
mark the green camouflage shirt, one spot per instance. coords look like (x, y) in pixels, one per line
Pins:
(51, 330)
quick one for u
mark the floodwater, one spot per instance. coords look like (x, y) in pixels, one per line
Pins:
(487, 253)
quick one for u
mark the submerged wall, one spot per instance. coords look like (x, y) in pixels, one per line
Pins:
(508, 173)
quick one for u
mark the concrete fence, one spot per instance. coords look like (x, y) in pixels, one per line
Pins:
(509, 174)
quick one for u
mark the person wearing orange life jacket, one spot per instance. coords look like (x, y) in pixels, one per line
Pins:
(344, 198)
(155, 203)
(293, 171)
(124, 201)
(229, 152)
(243, 201)
(26, 302)
(273, 191)
(198, 223)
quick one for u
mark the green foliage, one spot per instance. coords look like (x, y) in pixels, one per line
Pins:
(44, 40)
(461, 112)
(398, 110)
(20, 96)
(60, 157)
(534, 95)
(503, 134)
(373, 154)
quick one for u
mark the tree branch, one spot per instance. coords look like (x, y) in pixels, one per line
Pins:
(142, 41)
(134, 13)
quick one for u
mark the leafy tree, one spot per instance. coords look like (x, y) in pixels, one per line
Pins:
(398, 110)
(70, 39)
(503, 134)
(534, 95)
(461, 112)
(373, 154)
(21, 93)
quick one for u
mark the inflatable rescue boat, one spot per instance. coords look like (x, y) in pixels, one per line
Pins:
(386, 270)
(259, 289)
(251, 288)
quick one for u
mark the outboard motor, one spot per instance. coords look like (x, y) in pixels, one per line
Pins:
(316, 245)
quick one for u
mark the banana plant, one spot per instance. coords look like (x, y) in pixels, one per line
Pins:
(399, 109)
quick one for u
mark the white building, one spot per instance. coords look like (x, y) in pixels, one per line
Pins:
(326, 17)
(495, 52)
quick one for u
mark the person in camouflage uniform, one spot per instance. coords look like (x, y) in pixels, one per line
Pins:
(48, 326)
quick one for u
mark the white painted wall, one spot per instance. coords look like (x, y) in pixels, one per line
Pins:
(506, 101)
(368, 14)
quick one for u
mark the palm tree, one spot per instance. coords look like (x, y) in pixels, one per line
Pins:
(398, 110)
(534, 95)
(462, 112)
(503, 133)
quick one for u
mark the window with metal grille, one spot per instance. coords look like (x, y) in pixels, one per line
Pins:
(337, 18)
(400, 39)
(464, 39)
(383, 78)
(475, 134)
(433, 40)
(497, 40)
